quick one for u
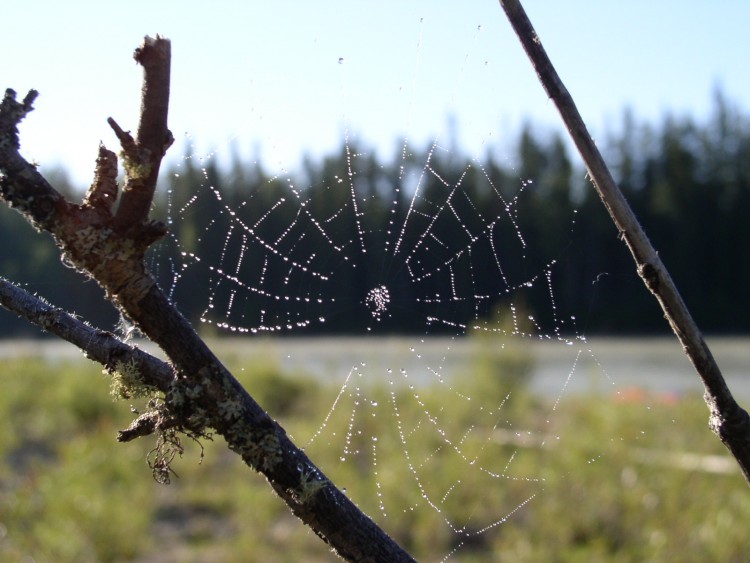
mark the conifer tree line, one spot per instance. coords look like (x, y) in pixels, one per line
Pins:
(687, 180)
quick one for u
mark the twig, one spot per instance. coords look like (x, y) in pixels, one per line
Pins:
(728, 420)
(98, 345)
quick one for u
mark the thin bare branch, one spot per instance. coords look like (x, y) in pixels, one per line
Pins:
(98, 345)
(728, 420)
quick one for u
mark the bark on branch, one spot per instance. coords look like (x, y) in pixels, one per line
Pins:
(728, 420)
(97, 345)
(109, 246)
(143, 156)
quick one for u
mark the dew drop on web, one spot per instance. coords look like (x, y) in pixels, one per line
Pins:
(377, 301)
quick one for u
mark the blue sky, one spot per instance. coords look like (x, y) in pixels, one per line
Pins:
(267, 77)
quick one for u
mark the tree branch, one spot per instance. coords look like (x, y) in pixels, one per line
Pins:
(728, 420)
(98, 345)
(142, 157)
(110, 249)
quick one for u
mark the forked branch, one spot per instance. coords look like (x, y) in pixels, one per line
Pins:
(109, 246)
(728, 420)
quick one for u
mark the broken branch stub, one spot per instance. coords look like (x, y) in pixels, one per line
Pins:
(142, 156)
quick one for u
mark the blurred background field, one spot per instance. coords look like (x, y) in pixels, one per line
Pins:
(626, 473)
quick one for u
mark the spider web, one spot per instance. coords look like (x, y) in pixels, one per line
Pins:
(287, 268)
(417, 273)
(288, 263)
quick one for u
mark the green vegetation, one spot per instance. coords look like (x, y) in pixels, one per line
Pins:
(611, 489)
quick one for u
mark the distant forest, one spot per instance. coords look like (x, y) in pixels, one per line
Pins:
(687, 180)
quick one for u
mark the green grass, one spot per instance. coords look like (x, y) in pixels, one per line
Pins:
(602, 487)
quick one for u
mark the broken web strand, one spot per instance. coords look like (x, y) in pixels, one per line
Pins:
(434, 497)
(414, 469)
